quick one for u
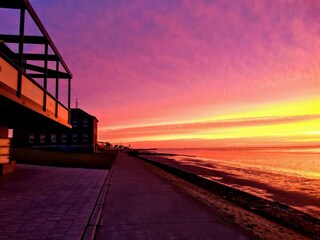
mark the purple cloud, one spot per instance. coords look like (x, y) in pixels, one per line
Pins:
(143, 62)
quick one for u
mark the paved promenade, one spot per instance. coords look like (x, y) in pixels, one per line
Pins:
(39, 202)
(141, 205)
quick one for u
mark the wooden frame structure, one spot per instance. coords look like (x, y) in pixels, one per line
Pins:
(24, 101)
(18, 71)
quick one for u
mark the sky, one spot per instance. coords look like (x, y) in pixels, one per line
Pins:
(187, 73)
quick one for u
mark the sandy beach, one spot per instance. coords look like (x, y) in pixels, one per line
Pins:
(259, 218)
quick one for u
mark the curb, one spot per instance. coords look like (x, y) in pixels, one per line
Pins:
(94, 220)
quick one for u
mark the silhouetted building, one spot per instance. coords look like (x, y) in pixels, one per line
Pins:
(25, 99)
(82, 137)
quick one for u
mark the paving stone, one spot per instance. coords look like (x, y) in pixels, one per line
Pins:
(38, 202)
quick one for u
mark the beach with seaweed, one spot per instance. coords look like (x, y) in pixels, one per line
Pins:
(270, 195)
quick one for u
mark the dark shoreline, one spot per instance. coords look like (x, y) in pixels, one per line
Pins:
(277, 212)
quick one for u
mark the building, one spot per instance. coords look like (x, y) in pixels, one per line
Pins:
(83, 135)
(26, 100)
(81, 138)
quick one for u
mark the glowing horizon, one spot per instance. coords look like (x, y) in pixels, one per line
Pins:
(271, 123)
(196, 73)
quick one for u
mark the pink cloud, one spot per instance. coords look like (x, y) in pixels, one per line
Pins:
(148, 62)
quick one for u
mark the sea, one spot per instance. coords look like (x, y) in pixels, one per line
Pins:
(287, 175)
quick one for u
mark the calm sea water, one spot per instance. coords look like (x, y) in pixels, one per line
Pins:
(290, 176)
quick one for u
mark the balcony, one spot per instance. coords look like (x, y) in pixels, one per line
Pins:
(32, 72)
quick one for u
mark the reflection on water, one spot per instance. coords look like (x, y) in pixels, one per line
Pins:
(285, 175)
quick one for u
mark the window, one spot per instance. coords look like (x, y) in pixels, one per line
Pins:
(10, 133)
(42, 138)
(53, 137)
(85, 123)
(31, 138)
(75, 123)
(64, 138)
(85, 137)
(75, 137)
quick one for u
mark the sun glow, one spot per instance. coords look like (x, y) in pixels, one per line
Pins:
(292, 108)
(291, 122)
(277, 130)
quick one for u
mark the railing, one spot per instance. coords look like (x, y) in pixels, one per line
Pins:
(32, 94)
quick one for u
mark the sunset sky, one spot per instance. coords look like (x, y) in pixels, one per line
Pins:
(173, 73)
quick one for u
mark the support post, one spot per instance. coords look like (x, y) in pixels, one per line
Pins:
(45, 79)
(69, 98)
(57, 87)
(69, 93)
(21, 43)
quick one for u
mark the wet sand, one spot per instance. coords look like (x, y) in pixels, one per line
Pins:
(298, 192)
(254, 226)
(261, 218)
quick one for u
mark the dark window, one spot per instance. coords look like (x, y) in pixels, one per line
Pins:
(64, 138)
(85, 137)
(53, 137)
(75, 137)
(85, 123)
(31, 138)
(42, 138)
(75, 123)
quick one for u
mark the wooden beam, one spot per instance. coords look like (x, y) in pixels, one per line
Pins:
(50, 75)
(11, 4)
(27, 39)
(41, 57)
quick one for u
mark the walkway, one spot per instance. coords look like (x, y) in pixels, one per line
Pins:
(141, 205)
(39, 202)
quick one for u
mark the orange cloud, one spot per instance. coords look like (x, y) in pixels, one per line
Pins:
(189, 128)
(223, 143)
